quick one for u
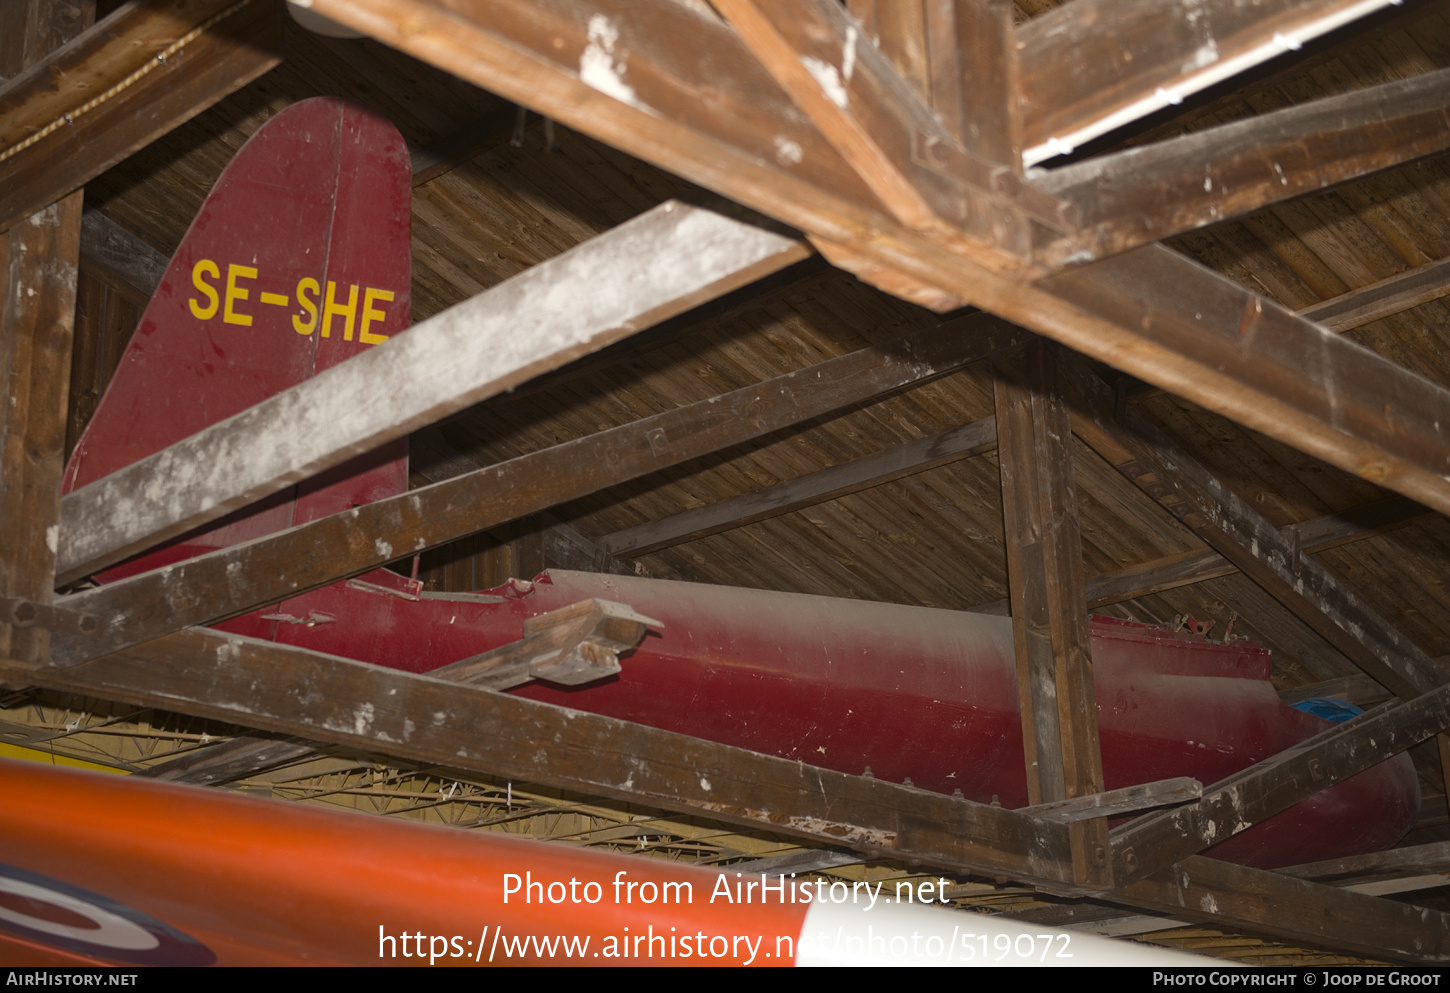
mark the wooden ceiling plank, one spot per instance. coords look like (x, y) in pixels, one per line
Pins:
(1091, 66)
(233, 580)
(1149, 312)
(1150, 192)
(119, 86)
(1385, 298)
(315, 696)
(1154, 841)
(541, 319)
(1186, 489)
(1049, 607)
(805, 491)
(38, 263)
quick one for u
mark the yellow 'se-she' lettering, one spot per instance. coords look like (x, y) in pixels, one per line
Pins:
(204, 311)
(304, 286)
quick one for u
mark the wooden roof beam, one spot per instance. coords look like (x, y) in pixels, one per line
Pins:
(1382, 299)
(121, 85)
(819, 55)
(804, 491)
(1187, 568)
(1151, 192)
(1149, 312)
(233, 580)
(316, 696)
(538, 320)
(1229, 525)
(1091, 66)
(1224, 894)
(294, 691)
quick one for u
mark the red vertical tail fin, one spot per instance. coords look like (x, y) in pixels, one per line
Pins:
(298, 259)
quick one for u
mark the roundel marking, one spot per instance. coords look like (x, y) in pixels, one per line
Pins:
(59, 914)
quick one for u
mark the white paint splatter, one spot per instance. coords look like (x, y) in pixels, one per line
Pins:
(598, 65)
(848, 56)
(52, 538)
(827, 79)
(787, 153)
(704, 784)
(384, 549)
(362, 718)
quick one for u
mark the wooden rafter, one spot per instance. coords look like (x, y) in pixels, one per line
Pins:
(1089, 67)
(119, 86)
(1229, 525)
(1255, 794)
(1155, 191)
(805, 491)
(1149, 312)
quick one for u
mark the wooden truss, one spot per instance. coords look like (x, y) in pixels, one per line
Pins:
(893, 143)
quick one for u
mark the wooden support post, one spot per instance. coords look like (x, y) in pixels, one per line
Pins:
(976, 78)
(1049, 608)
(38, 261)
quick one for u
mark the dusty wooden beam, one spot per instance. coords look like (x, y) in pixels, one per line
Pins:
(562, 545)
(1385, 298)
(107, 244)
(1235, 804)
(1202, 337)
(1151, 192)
(1186, 489)
(976, 80)
(843, 82)
(804, 491)
(133, 77)
(371, 708)
(1376, 866)
(1091, 66)
(657, 265)
(1187, 568)
(1049, 609)
(1204, 889)
(38, 261)
(1125, 800)
(328, 699)
(233, 580)
(1149, 312)
(880, 125)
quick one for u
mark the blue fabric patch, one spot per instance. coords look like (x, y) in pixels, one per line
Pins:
(1333, 711)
